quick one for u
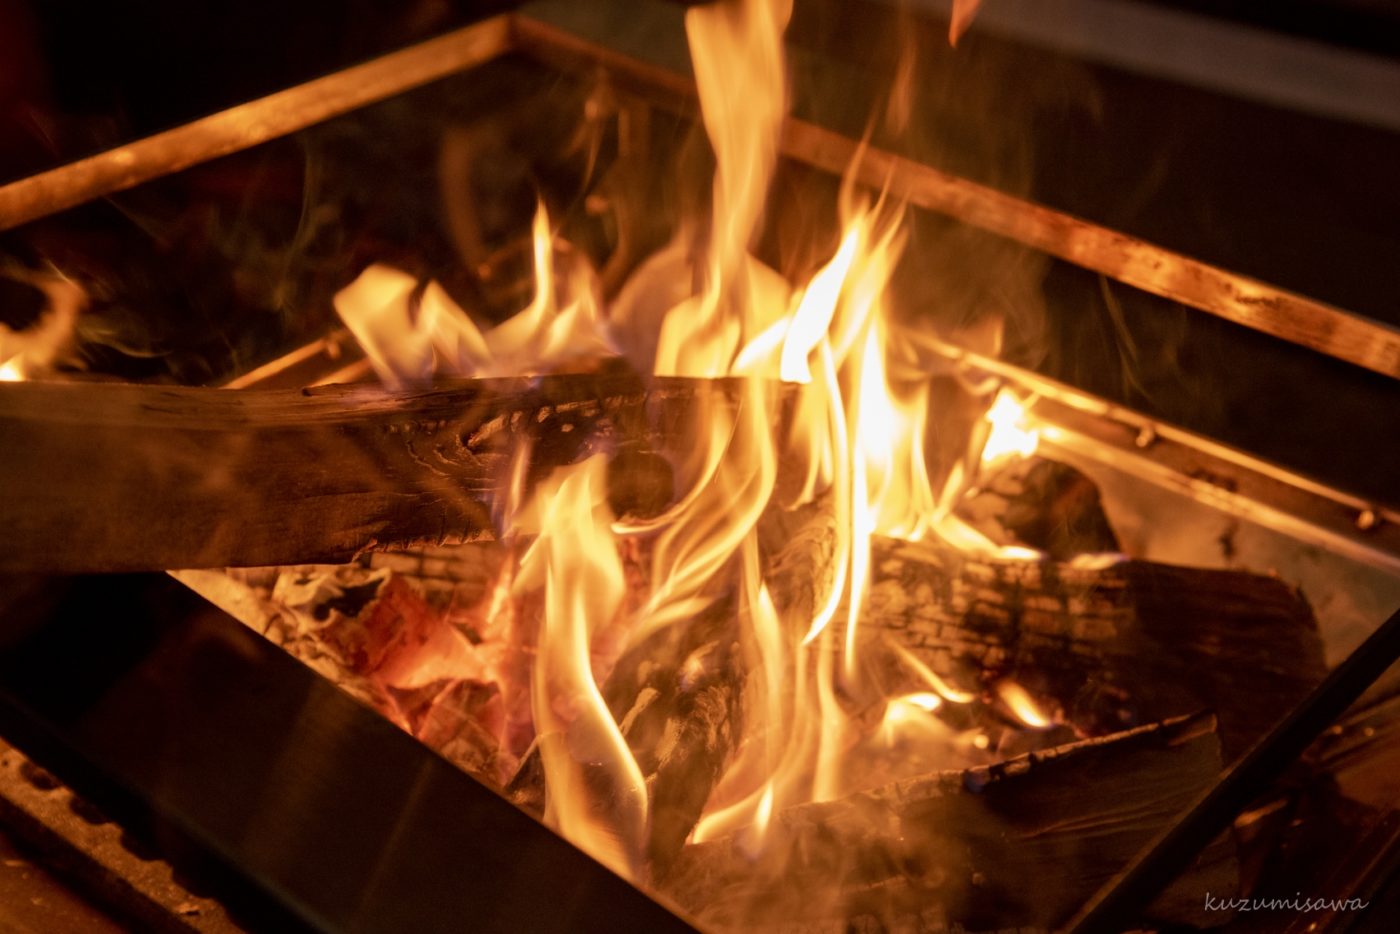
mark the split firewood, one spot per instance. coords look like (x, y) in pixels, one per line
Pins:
(1111, 645)
(108, 477)
(1018, 844)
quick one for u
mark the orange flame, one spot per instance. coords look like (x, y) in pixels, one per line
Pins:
(574, 560)
(411, 332)
(705, 306)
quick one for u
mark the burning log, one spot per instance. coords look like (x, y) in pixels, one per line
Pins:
(126, 477)
(1020, 843)
(1113, 646)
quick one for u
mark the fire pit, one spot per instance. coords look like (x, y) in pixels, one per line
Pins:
(668, 522)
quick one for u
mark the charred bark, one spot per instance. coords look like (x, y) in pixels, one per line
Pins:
(1113, 646)
(1045, 505)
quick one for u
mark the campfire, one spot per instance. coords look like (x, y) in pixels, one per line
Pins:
(714, 553)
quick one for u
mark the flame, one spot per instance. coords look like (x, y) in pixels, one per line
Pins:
(825, 358)
(1010, 432)
(411, 331)
(1023, 706)
(574, 560)
(964, 11)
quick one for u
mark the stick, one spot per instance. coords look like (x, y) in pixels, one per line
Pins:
(247, 125)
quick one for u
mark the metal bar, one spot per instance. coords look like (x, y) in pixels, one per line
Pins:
(250, 124)
(1145, 266)
(1120, 901)
(308, 810)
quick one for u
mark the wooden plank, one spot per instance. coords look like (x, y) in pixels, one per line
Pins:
(112, 477)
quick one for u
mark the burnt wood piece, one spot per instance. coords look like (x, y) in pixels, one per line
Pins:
(113, 477)
(1020, 843)
(190, 729)
(676, 698)
(1115, 646)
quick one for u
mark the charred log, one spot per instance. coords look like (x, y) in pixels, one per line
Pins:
(1021, 843)
(1113, 646)
(1042, 504)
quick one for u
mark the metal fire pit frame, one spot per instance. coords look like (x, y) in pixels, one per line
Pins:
(270, 739)
(1146, 266)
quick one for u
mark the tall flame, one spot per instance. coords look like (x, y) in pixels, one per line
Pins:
(574, 560)
(830, 354)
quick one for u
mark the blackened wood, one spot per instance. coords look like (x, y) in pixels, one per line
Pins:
(116, 477)
(1120, 899)
(1010, 845)
(677, 698)
(1113, 646)
(192, 730)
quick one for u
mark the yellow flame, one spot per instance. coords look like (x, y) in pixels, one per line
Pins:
(411, 331)
(39, 348)
(824, 357)
(1010, 432)
(574, 559)
(1023, 706)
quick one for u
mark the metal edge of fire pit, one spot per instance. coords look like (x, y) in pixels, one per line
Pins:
(94, 853)
(246, 125)
(304, 809)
